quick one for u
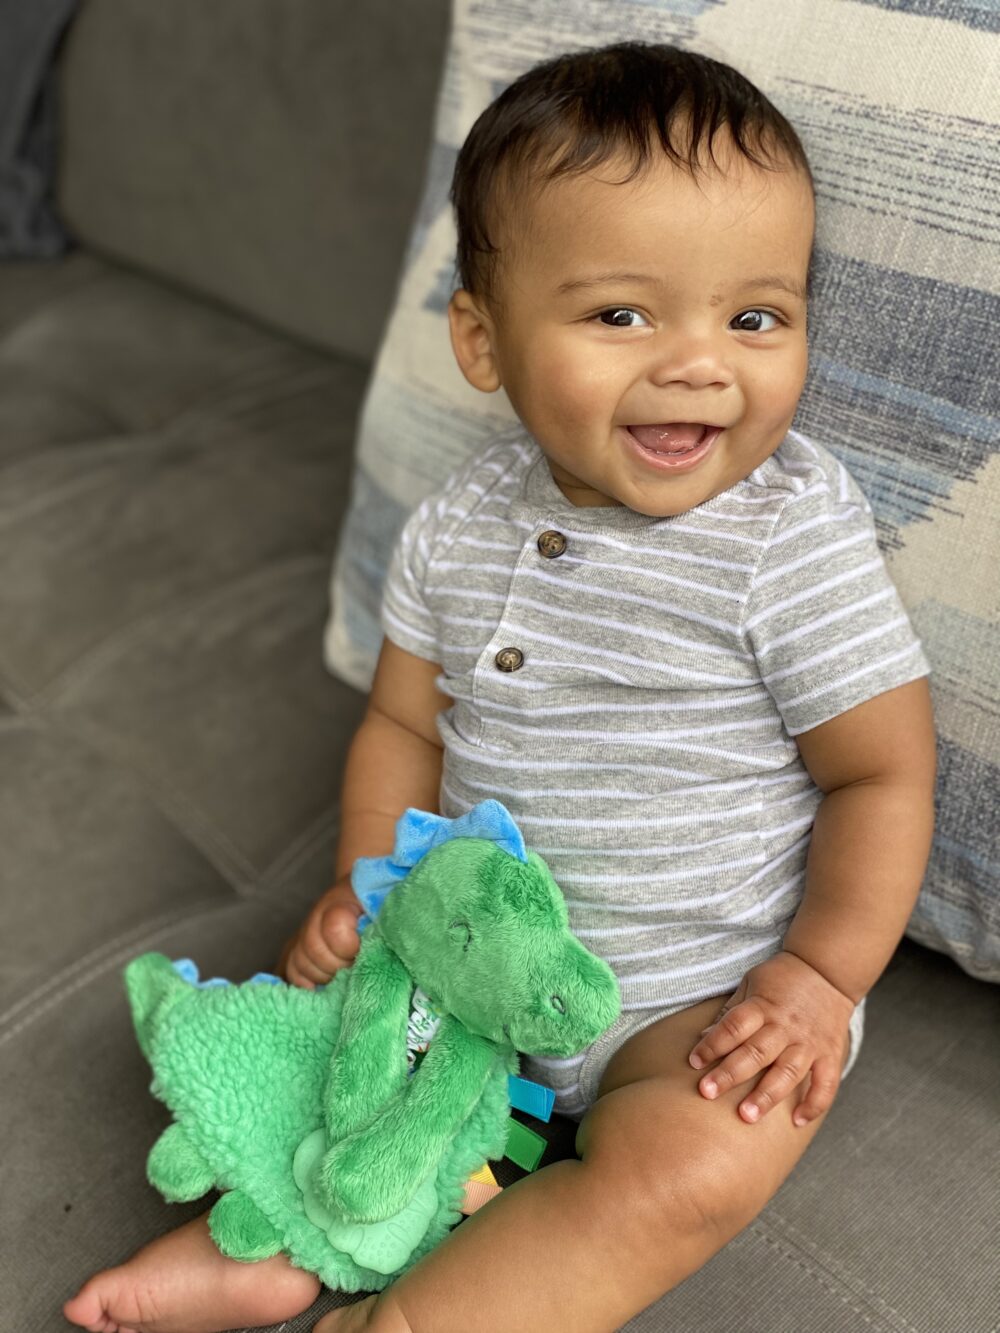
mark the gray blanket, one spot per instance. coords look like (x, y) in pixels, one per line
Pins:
(30, 31)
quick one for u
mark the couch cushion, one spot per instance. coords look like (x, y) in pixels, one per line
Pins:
(261, 153)
(169, 738)
(903, 325)
(884, 1227)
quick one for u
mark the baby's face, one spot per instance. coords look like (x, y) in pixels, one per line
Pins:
(654, 334)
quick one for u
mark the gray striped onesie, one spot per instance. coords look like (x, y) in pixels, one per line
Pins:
(629, 688)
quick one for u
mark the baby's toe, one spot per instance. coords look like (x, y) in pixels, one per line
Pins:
(90, 1309)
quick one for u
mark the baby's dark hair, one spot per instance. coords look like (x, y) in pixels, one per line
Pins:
(581, 110)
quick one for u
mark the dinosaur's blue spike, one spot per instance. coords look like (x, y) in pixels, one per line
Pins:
(417, 832)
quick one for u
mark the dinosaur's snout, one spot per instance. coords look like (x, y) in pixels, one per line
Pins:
(573, 1012)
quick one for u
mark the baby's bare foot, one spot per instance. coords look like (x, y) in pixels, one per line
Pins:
(182, 1284)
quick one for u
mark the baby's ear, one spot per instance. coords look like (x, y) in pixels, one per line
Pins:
(472, 341)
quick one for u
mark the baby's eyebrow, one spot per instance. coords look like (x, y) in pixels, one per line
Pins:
(775, 281)
(603, 279)
(770, 281)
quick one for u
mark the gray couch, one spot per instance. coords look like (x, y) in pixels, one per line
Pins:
(178, 399)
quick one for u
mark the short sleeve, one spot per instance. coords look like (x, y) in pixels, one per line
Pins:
(406, 617)
(823, 617)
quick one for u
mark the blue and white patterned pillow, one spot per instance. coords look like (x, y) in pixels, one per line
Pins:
(898, 104)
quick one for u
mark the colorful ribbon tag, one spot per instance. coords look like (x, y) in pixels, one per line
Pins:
(524, 1146)
(480, 1188)
(532, 1098)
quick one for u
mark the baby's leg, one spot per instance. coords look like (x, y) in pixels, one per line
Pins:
(666, 1179)
(182, 1284)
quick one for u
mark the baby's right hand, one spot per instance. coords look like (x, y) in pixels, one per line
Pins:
(326, 941)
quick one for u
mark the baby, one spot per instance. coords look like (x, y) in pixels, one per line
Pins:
(653, 621)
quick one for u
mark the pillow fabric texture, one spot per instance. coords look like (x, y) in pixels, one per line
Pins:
(903, 325)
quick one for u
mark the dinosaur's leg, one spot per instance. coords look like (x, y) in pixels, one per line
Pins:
(177, 1169)
(368, 1064)
(383, 1246)
(373, 1173)
(386, 1246)
(241, 1230)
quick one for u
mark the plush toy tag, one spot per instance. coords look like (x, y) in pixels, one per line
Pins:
(477, 1193)
(524, 1146)
(533, 1098)
(423, 1024)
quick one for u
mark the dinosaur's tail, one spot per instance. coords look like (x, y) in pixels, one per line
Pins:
(153, 987)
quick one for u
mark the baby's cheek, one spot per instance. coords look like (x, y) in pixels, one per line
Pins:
(573, 364)
(772, 401)
(783, 382)
(560, 403)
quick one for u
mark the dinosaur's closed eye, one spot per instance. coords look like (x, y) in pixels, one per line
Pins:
(461, 933)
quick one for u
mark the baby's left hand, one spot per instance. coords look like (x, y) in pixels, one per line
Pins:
(787, 1016)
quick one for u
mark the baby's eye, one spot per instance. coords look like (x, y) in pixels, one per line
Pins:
(753, 321)
(620, 317)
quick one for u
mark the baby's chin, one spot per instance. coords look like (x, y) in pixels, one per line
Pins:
(673, 510)
(669, 499)
(638, 500)
(652, 492)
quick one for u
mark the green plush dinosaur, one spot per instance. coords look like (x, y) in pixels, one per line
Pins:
(299, 1104)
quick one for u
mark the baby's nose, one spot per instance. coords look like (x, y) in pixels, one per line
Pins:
(698, 362)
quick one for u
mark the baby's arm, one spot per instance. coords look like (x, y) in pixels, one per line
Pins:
(870, 843)
(394, 762)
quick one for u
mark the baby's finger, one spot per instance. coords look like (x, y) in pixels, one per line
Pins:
(319, 945)
(762, 1047)
(296, 978)
(822, 1090)
(286, 953)
(784, 1076)
(339, 933)
(734, 1027)
(302, 971)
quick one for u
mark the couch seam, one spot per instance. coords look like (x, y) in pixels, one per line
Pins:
(238, 874)
(322, 829)
(123, 436)
(56, 295)
(247, 384)
(16, 720)
(828, 1277)
(189, 292)
(108, 649)
(182, 814)
(98, 961)
(76, 397)
(78, 974)
(14, 692)
(48, 497)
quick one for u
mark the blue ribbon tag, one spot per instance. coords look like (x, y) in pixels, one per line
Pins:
(533, 1098)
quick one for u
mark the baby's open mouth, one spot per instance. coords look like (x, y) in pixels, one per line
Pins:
(671, 437)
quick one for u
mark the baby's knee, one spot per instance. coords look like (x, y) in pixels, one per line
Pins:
(692, 1194)
(673, 1177)
(656, 1217)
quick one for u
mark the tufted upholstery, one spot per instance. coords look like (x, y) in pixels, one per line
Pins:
(172, 476)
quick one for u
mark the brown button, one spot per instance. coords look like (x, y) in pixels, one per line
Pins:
(551, 544)
(509, 659)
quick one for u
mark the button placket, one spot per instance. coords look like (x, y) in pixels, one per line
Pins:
(550, 544)
(499, 656)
